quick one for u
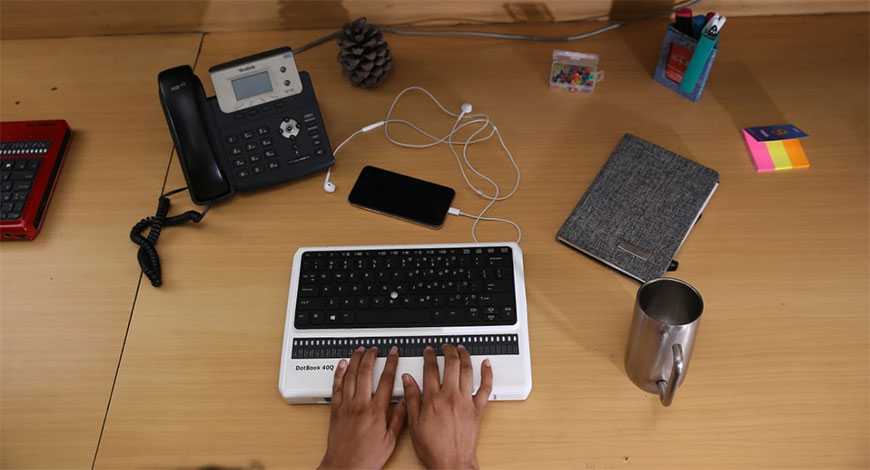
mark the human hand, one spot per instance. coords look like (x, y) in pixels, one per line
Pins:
(445, 423)
(363, 428)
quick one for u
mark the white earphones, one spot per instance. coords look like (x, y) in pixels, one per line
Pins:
(484, 130)
(328, 185)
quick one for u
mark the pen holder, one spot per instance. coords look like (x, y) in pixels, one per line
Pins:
(675, 58)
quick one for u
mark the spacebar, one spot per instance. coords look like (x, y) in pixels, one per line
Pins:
(391, 317)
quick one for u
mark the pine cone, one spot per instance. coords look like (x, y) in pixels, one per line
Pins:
(364, 54)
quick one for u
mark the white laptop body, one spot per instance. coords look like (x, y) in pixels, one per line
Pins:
(309, 380)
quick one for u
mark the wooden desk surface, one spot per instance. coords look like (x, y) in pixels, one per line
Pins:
(66, 298)
(780, 375)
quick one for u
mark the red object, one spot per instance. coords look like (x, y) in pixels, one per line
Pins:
(31, 157)
(678, 60)
(683, 13)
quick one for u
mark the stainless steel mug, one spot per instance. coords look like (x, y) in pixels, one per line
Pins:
(667, 312)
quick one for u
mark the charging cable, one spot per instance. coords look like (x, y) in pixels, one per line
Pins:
(481, 129)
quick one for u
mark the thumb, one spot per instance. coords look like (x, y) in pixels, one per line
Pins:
(412, 397)
(397, 419)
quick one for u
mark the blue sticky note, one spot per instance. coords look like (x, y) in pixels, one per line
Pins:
(778, 132)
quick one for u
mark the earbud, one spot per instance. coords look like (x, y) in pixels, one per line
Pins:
(466, 108)
(328, 185)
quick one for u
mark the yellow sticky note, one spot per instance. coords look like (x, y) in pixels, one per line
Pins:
(778, 155)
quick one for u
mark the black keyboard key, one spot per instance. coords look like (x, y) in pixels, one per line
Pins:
(309, 291)
(310, 304)
(498, 286)
(472, 314)
(490, 314)
(454, 315)
(508, 314)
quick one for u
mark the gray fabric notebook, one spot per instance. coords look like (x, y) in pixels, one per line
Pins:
(640, 208)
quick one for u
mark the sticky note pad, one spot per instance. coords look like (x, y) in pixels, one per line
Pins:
(775, 148)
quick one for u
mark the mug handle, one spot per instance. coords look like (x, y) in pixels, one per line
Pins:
(667, 388)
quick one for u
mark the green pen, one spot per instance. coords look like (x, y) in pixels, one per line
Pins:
(706, 44)
(699, 60)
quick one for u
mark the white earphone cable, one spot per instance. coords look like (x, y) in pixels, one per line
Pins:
(463, 120)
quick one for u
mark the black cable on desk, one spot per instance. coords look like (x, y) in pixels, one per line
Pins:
(148, 258)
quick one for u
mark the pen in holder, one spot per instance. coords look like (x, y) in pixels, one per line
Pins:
(685, 62)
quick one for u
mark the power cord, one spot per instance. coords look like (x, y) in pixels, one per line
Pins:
(491, 35)
(147, 255)
(485, 129)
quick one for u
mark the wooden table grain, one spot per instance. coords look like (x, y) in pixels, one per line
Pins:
(66, 298)
(781, 371)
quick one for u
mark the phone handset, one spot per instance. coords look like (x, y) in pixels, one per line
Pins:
(185, 107)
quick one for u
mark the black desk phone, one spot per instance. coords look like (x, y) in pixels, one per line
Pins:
(263, 126)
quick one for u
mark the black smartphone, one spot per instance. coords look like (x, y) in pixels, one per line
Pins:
(401, 196)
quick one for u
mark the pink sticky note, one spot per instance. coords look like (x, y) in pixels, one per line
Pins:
(760, 154)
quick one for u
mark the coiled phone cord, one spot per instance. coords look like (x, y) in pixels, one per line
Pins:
(147, 255)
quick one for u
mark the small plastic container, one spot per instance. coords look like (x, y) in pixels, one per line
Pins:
(575, 71)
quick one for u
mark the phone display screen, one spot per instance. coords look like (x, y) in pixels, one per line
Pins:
(252, 85)
(402, 196)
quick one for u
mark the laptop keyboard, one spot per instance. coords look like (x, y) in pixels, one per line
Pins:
(471, 286)
(16, 180)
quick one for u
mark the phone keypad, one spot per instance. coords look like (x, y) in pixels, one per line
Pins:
(253, 145)
(251, 154)
(274, 142)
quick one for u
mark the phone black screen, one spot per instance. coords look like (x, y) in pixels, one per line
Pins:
(402, 196)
